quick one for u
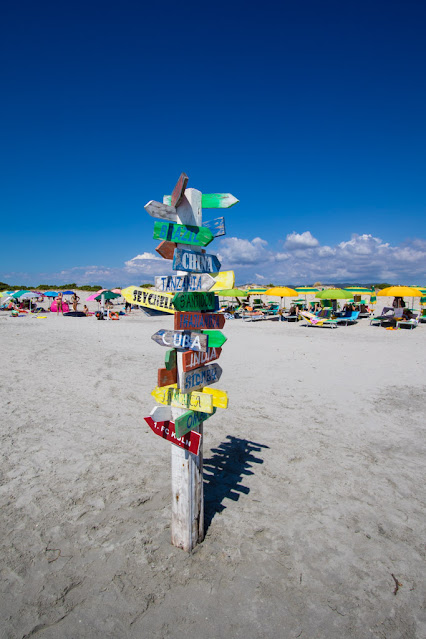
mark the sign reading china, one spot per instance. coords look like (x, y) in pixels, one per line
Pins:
(186, 260)
(191, 441)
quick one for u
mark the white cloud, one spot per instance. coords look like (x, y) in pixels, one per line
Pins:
(300, 241)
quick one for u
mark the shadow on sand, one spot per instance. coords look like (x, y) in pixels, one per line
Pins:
(223, 473)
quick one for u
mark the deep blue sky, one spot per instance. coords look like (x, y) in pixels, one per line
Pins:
(311, 113)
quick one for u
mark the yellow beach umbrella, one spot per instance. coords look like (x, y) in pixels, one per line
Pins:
(281, 291)
(400, 291)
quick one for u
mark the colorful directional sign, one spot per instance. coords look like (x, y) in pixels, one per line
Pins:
(216, 338)
(161, 413)
(171, 395)
(166, 377)
(212, 200)
(200, 377)
(179, 190)
(149, 298)
(181, 339)
(186, 260)
(217, 226)
(188, 321)
(190, 282)
(224, 280)
(182, 233)
(170, 359)
(220, 397)
(166, 430)
(195, 302)
(190, 420)
(167, 251)
(163, 211)
(192, 359)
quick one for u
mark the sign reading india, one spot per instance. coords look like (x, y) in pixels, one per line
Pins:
(182, 233)
(191, 441)
(192, 359)
(181, 339)
(150, 299)
(184, 260)
(195, 302)
(189, 420)
(176, 283)
(200, 377)
(187, 321)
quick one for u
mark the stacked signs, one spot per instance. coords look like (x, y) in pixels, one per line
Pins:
(184, 381)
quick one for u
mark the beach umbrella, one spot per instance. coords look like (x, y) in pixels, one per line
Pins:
(17, 294)
(107, 295)
(334, 294)
(50, 294)
(400, 291)
(231, 292)
(306, 289)
(94, 295)
(359, 290)
(281, 291)
(256, 291)
(67, 292)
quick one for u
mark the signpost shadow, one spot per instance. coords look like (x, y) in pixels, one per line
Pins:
(224, 471)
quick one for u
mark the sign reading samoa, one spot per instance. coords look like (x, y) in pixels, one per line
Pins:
(182, 233)
(200, 377)
(150, 299)
(185, 260)
(181, 339)
(177, 283)
(188, 321)
(190, 420)
(195, 302)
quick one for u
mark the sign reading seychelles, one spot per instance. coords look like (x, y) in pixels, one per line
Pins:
(149, 298)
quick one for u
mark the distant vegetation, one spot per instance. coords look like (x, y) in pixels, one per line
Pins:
(48, 287)
(146, 285)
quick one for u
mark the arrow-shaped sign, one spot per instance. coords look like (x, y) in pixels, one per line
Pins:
(179, 190)
(191, 359)
(190, 420)
(195, 302)
(170, 359)
(177, 283)
(212, 200)
(166, 430)
(186, 260)
(167, 251)
(149, 298)
(192, 401)
(158, 209)
(200, 377)
(224, 279)
(182, 233)
(166, 377)
(194, 321)
(161, 413)
(181, 339)
(220, 397)
(216, 226)
(216, 338)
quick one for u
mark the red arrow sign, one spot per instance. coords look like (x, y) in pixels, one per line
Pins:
(191, 441)
(179, 189)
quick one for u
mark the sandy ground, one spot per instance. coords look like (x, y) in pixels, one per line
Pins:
(314, 485)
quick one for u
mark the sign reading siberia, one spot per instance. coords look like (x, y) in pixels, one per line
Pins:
(193, 380)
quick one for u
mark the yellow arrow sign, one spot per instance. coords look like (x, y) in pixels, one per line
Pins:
(223, 280)
(149, 298)
(204, 400)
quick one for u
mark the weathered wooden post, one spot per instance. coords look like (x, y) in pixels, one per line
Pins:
(182, 391)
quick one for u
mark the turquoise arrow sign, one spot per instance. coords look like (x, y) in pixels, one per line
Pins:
(216, 338)
(182, 233)
(211, 200)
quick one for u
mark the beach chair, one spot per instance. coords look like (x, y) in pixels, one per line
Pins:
(318, 322)
(408, 323)
(348, 317)
(387, 316)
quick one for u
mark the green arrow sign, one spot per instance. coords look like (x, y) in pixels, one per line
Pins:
(190, 420)
(182, 233)
(211, 200)
(216, 338)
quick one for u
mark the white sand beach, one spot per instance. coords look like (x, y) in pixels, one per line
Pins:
(314, 485)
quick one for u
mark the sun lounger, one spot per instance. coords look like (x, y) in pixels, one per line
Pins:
(387, 316)
(319, 322)
(349, 317)
(408, 323)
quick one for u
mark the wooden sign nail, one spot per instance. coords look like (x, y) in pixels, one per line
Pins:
(170, 359)
(190, 420)
(190, 282)
(194, 321)
(195, 302)
(216, 338)
(192, 359)
(181, 339)
(163, 211)
(182, 233)
(217, 226)
(166, 430)
(212, 200)
(186, 260)
(200, 377)
(166, 250)
(149, 298)
(179, 190)
(166, 377)
(171, 395)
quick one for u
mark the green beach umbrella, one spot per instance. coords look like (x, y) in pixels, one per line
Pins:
(107, 295)
(231, 292)
(334, 294)
(359, 290)
(306, 289)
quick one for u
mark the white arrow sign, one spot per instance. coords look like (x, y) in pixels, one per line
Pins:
(163, 211)
(178, 283)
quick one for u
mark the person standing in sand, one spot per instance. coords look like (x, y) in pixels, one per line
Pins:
(59, 304)
(75, 299)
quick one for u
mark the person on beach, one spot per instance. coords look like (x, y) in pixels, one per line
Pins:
(85, 310)
(75, 299)
(398, 302)
(128, 307)
(59, 304)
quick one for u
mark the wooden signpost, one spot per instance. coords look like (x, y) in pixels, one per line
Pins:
(192, 359)
(195, 302)
(185, 260)
(183, 233)
(181, 339)
(149, 298)
(200, 377)
(189, 401)
(223, 279)
(194, 321)
(188, 282)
